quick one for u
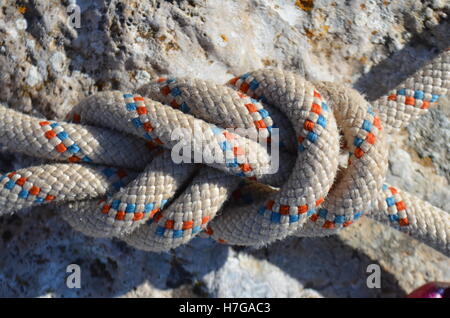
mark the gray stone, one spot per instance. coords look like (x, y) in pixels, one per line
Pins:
(47, 65)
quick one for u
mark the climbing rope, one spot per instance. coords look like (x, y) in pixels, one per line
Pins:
(111, 171)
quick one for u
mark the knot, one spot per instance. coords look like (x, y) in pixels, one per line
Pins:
(119, 148)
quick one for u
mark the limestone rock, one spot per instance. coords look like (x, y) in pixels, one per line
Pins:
(47, 65)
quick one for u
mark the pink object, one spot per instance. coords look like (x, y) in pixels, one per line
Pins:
(431, 290)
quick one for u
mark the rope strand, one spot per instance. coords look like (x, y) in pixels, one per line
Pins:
(118, 177)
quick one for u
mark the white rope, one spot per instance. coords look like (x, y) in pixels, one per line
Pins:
(117, 150)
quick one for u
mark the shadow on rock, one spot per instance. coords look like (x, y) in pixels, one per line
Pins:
(327, 265)
(389, 73)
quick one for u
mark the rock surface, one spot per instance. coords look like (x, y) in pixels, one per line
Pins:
(47, 65)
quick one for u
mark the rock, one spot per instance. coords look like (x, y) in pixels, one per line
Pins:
(34, 77)
(48, 64)
(57, 62)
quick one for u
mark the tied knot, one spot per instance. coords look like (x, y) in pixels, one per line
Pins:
(168, 203)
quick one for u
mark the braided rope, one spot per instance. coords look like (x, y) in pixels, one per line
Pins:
(136, 192)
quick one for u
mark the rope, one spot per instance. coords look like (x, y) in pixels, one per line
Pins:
(111, 172)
